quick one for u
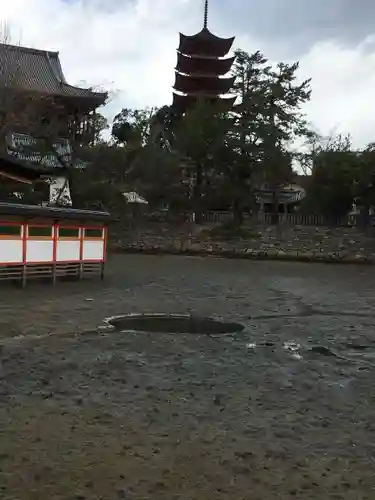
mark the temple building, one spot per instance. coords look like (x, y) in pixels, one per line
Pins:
(43, 118)
(202, 64)
(44, 122)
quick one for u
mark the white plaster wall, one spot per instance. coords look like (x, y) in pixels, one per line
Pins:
(39, 250)
(60, 185)
(10, 251)
(67, 250)
(93, 250)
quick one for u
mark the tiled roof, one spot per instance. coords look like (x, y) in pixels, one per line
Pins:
(39, 71)
(25, 148)
(11, 166)
(63, 213)
(291, 193)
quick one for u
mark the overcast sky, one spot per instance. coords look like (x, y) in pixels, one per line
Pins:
(128, 47)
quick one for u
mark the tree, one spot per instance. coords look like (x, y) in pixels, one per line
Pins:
(157, 174)
(282, 122)
(163, 127)
(199, 138)
(244, 140)
(131, 127)
(101, 184)
(364, 185)
(142, 134)
(340, 176)
(232, 152)
(99, 125)
(265, 121)
(336, 176)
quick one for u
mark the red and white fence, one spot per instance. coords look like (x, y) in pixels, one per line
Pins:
(56, 249)
(28, 243)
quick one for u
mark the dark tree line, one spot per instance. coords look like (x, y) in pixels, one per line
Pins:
(212, 158)
(339, 176)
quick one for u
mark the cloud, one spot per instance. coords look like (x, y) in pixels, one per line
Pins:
(343, 80)
(296, 24)
(128, 47)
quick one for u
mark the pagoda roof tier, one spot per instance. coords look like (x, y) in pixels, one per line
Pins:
(182, 102)
(40, 71)
(210, 85)
(203, 65)
(205, 43)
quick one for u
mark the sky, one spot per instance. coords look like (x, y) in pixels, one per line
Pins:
(129, 47)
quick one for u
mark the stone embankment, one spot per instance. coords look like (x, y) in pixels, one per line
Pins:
(299, 243)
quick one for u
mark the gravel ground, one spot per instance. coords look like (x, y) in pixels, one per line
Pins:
(283, 410)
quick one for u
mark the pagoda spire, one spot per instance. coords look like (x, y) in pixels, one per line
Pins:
(205, 19)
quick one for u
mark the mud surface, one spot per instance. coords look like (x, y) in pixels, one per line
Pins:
(285, 409)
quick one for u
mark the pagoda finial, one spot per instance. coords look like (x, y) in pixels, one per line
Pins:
(205, 14)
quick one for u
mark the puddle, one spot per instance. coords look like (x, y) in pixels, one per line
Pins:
(173, 323)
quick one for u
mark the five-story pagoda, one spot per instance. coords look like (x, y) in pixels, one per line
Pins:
(200, 70)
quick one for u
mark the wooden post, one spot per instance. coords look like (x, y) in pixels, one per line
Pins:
(24, 275)
(81, 271)
(54, 251)
(24, 233)
(81, 242)
(54, 273)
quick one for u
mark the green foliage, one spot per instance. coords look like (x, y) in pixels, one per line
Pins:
(364, 189)
(340, 175)
(163, 128)
(266, 121)
(157, 175)
(101, 184)
(209, 153)
(100, 124)
(337, 172)
(244, 146)
(216, 157)
(200, 138)
(282, 122)
(201, 132)
(131, 127)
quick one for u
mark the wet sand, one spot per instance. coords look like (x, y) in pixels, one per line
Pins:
(283, 410)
